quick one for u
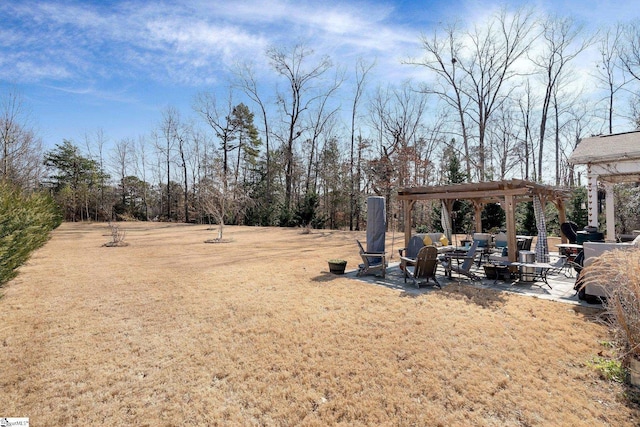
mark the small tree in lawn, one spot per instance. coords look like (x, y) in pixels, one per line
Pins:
(216, 200)
(221, 200)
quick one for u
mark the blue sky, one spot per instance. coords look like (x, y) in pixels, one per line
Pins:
(114, 65)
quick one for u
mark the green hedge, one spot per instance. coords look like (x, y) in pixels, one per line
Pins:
(25, 224)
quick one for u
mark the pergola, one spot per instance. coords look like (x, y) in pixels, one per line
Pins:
(610, 159)
(508, 193)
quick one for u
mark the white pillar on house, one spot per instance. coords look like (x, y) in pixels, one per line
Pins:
(611, 218)
(592, 197)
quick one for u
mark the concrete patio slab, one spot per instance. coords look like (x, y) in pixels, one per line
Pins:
(561, 286)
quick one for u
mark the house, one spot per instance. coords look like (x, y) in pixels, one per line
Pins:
(610, 159)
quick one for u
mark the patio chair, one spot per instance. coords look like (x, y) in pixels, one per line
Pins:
(484, 246)
(561, 265)
(524, 242)
(577, 263)
(371, 262)
(452, 262)
(423, 267)
(411, 251)
(570, 231)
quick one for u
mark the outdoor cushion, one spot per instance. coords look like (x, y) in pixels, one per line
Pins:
(427, 240)
(482, 238)
(444, 241)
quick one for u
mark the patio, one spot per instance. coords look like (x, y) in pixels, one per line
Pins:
(508, 193)
(561, 286)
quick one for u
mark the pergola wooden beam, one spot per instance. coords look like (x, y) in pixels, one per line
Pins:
(509, 192)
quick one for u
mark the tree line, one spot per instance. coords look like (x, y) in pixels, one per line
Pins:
(306, 141)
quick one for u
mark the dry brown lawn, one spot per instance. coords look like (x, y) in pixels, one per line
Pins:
(170, 331)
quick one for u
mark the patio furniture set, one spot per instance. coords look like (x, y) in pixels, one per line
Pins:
(420, 259)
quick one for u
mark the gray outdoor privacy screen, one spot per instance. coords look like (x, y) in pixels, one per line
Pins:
(376, 224)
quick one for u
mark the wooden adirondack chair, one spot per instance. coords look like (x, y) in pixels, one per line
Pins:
(424, 266)
(371, 262)
(451, 262)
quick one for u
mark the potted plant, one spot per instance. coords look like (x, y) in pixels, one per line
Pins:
(337, 266)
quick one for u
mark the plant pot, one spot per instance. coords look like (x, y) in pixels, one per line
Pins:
(337, 266)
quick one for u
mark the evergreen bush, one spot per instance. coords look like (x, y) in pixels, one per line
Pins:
(25, 224)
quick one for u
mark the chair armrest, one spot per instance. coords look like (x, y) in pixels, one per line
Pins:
(407, 261)
(373, 254)
(457, 256)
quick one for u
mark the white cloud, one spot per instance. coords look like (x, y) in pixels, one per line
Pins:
(189, 41)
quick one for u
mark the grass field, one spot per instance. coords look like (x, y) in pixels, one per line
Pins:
(170, 330)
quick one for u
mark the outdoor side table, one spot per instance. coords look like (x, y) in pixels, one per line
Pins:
(497, 272)
(538, 270)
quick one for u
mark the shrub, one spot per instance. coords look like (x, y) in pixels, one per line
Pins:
(611, 370)
(621, 269)
(117, 236)
(25, 224)
(493, 217)
(422, 229)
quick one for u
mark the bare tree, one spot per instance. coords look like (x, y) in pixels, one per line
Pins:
(361, 71)
(166, 146)
(526, 103)
(246, 80)
(494, 50)
(216, 201)
(293, 65)
(425, 169)
(183, 138)
(559, 48)
(121, 158)
(630, 51)
(630, 59)
(578, 126)
(320, 121)
(200, 165)
(440, 56)
(233, 126)
(608, 71)
(504, 137)
(21, 150)
(95, 147)
(396, 114)
(140, 162)
(474, 67)
(218, 117)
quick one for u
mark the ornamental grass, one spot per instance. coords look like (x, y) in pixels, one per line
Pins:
(620, 270)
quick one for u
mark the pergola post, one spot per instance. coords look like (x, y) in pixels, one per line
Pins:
(477, 206)
(448, 204)
(592, 197)
(611, 218)
(510, 213)
(562, 217)
(408, 206)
